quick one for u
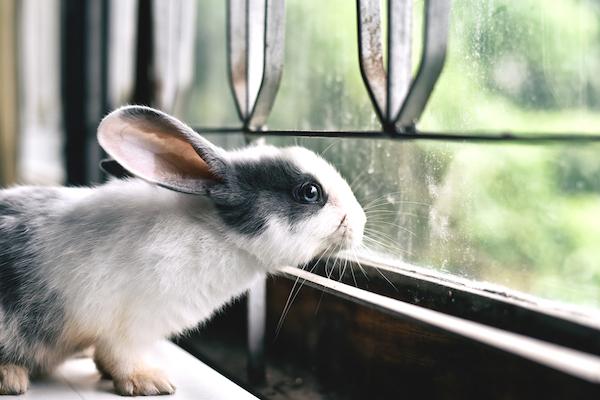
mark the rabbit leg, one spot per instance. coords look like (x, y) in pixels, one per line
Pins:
(144, 382)
(104, 374)
(130, 376)
(14, 379)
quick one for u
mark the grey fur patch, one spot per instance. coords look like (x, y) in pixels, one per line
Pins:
(255, 191)
(113, 168)
(26, 301)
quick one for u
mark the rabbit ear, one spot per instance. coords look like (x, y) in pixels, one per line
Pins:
(161, 149)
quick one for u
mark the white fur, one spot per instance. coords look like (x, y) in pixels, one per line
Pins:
(137, 263)
(157, 271)
(316, 234)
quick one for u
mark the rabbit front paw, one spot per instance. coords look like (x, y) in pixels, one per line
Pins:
(145, 382)
(13, 379)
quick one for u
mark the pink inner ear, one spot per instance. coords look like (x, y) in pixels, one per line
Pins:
(153, 153)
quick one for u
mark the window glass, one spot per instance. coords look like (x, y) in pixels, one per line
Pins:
(523, 216)
(321, 87)
(209, 101)
(227, 141)
(520, 65)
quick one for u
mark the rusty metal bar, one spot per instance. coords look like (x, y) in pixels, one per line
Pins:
(370, 52)
(399, 65)
(479, 136)
(237, 55)
(256, 36)
(435, 41)
(255, 52)
(398, 103)
(273, 50)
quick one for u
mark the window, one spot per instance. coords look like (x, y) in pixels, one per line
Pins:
(480, 274)
(523, 216)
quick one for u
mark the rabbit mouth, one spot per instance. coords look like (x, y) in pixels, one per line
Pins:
(345, 237)
(340, 235)
(342, 238)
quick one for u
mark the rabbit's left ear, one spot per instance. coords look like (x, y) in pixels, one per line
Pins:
(161, 149)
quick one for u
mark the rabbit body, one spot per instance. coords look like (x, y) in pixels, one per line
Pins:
(117, 266)
(121, 265)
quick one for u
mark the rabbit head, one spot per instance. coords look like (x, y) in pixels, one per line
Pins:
(283, 205)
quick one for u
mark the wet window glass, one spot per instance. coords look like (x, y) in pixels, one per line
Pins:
(519, 215)
(321, 87)
(526, 217)
(208, 102)
(520, 65)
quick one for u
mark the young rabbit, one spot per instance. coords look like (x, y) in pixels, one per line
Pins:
(122, 265)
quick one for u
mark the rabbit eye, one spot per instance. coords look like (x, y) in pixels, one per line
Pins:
(308, 193)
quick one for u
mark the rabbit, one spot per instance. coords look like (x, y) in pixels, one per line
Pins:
(124, 264)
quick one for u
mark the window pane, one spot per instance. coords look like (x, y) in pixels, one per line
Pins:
(209, 102)
(523, 216)
(321, 87)
(520, 65)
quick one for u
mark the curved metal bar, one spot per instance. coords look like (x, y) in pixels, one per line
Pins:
(435, 40)
(255, 52)
(370, 53)
(399, 66)
(237, 54)
(273, 50)
(174, 50)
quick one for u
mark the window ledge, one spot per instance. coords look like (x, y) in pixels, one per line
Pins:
(576, 363)
(78, 379)
(579, 314)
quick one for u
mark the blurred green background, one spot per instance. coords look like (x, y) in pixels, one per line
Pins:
(523, 216)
